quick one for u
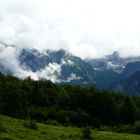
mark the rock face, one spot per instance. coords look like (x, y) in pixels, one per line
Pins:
(130, 85)
(72, 69)
(111, 72)
(112, 62)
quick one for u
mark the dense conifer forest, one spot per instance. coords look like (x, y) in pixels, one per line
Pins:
(72, 105)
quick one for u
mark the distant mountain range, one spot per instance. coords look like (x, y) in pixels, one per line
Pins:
(111, 72)
(112, 62)
(117, 73)
(66, 67)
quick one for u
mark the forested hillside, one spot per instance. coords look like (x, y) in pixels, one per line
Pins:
(65, 104)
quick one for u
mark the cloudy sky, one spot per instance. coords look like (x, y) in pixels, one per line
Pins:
(86, 28)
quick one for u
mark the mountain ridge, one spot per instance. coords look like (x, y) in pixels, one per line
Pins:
(59, 66)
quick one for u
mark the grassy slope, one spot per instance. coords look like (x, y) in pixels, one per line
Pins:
(16, 131)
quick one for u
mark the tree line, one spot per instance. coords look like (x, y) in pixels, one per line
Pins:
(65, 104)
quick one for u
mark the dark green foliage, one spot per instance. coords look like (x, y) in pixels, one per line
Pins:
(13, 100)
(6, 138)
(2, 128)
(127, 111)
(31, 124)
(86, 133)
(118, 128)
(66, 104)
(52, 122)
(136, 128)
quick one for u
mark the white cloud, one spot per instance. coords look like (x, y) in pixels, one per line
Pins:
(73, 77)
(51, 72)
(67, 62)
(9, 59)
(87, 28)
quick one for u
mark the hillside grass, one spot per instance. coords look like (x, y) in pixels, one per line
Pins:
(16, 131)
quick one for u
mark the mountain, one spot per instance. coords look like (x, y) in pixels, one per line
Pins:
(129, 80)
(106, 78)
(112, 62)
(68, 68)
(113, 72)
(131, 85)
(105, 73)
(110, 72)
(131, 68)
(59, 66)
(34, 60)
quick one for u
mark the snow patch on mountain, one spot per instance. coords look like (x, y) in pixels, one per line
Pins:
(67, 62)
(115, 67)
(51, 72)
(73, 77)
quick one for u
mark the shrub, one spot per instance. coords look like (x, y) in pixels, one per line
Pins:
(31, 124)
(52, 122)
(105, 128)
(86, 133)
(117, 128)
(136, 128)
(6, 138)
(2, 128)
(122, 128)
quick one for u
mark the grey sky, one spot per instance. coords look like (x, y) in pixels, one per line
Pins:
(87, 28)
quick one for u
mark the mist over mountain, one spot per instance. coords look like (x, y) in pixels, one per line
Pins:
(57, 66)
(67, 41)
(110, 72)
(112, 62)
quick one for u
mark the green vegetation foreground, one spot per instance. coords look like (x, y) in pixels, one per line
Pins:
(15, 130)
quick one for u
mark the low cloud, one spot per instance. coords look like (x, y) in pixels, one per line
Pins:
(9, 60)
(73, 77)
(67, 62)
(85, 28)
(51, 72)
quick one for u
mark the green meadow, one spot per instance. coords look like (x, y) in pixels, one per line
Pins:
(13, 129)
